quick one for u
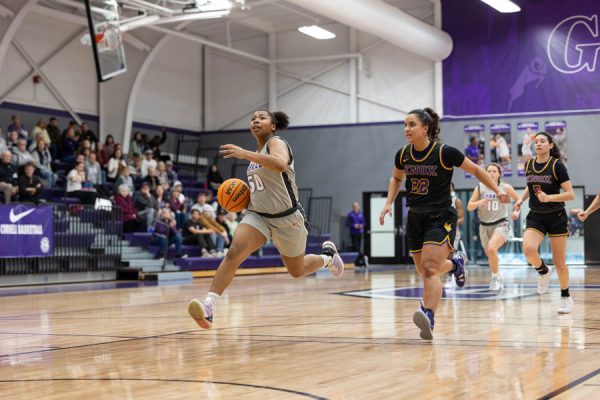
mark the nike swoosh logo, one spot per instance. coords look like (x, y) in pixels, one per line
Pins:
(16, 218)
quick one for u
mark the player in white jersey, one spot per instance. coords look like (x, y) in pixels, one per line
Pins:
(494, 220)
(274, 212)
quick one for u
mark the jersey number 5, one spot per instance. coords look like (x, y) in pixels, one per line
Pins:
(256, 184)
(419, 186)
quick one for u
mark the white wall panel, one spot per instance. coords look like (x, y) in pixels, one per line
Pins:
(238, 85)
(71, 71)
(171, 92)
(397, 78)
(310, 105)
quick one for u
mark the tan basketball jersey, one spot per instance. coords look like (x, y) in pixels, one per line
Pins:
(495, 210)
(272, 192)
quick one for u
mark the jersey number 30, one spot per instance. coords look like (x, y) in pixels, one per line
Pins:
(256, 184)
(419, 186)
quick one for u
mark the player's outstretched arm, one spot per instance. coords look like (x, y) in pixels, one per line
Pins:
(484, 178)
(393, 190)
(277, 159)
(582, 215)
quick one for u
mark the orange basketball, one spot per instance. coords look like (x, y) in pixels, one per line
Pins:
(234, 195)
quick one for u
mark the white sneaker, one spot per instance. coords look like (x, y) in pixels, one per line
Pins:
(566, 305)
(544, 281)
(497, 283)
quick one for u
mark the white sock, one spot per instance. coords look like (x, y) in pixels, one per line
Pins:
(494, 274)
(213, 298)
(326, 260)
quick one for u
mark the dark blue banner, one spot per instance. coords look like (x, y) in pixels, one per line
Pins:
(26, 231)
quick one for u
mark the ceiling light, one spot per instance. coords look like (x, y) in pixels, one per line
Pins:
(504, 6)
(213, 5)
(316, 32)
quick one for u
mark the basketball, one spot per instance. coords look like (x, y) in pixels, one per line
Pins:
(234, 195)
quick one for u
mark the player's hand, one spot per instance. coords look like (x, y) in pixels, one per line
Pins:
(515, 214)
(232, 151)
(543, 197)
(504, 198)
(387, 209)
(582, 215)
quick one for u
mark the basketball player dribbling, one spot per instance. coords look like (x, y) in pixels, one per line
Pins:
(546, 176)
(493, 216)
(274, 212)
(428, 167)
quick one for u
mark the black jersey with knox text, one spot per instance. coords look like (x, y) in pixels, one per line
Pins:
(546, 177)
(428, 174)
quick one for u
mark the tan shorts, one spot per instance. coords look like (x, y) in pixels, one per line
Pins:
(486, 232)
(288, 233)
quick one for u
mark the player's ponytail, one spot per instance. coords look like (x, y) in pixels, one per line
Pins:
(281, 120)
(430, 118)
(554, 150)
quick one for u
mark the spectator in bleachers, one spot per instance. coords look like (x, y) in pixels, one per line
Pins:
(32, 144)
(40, 128)
(219, 235)
(151, 179)
(75, 180)
(109, 147)
(179, 187)
(93, 170)
(72, 125)
(3, 145)
(196, 234)
(155, 144)
(166, 233)
(171, 174)
(8, 175)
(177, 207)
(202, 206)
(147, 162)
(231, 220)
(88, 134)
(85, 147)
(17, 126)
(161, 174)
(102, 160)
(124, 178)
(13, 140)
(69, 146)
(222, 220)
(115, 162)
(137, 144)
(214, 178)
(30, 186)
(21, 156)
(159, 195)
(123, 199)
(145, 204)
(43, 161)
(55, 137)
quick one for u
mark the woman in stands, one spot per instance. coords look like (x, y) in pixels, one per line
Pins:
(274, 212)
(546, 176)
(428, 167)
(493, 216)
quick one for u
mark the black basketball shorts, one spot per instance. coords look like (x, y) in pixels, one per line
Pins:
(553, 223)
(435, 227)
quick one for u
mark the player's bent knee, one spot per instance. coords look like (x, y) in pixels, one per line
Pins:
(430, 268)
(530, 250)
(295, 273)
(491, 251)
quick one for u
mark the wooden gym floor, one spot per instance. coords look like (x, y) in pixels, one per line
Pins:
(280, 338)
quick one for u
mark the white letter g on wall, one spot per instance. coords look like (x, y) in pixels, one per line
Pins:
(574, 44)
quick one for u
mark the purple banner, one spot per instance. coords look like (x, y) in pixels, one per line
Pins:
(475, 145)
(26, 231)
(558, 130)
(500, 147)
(544, 58)
(527, 131)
